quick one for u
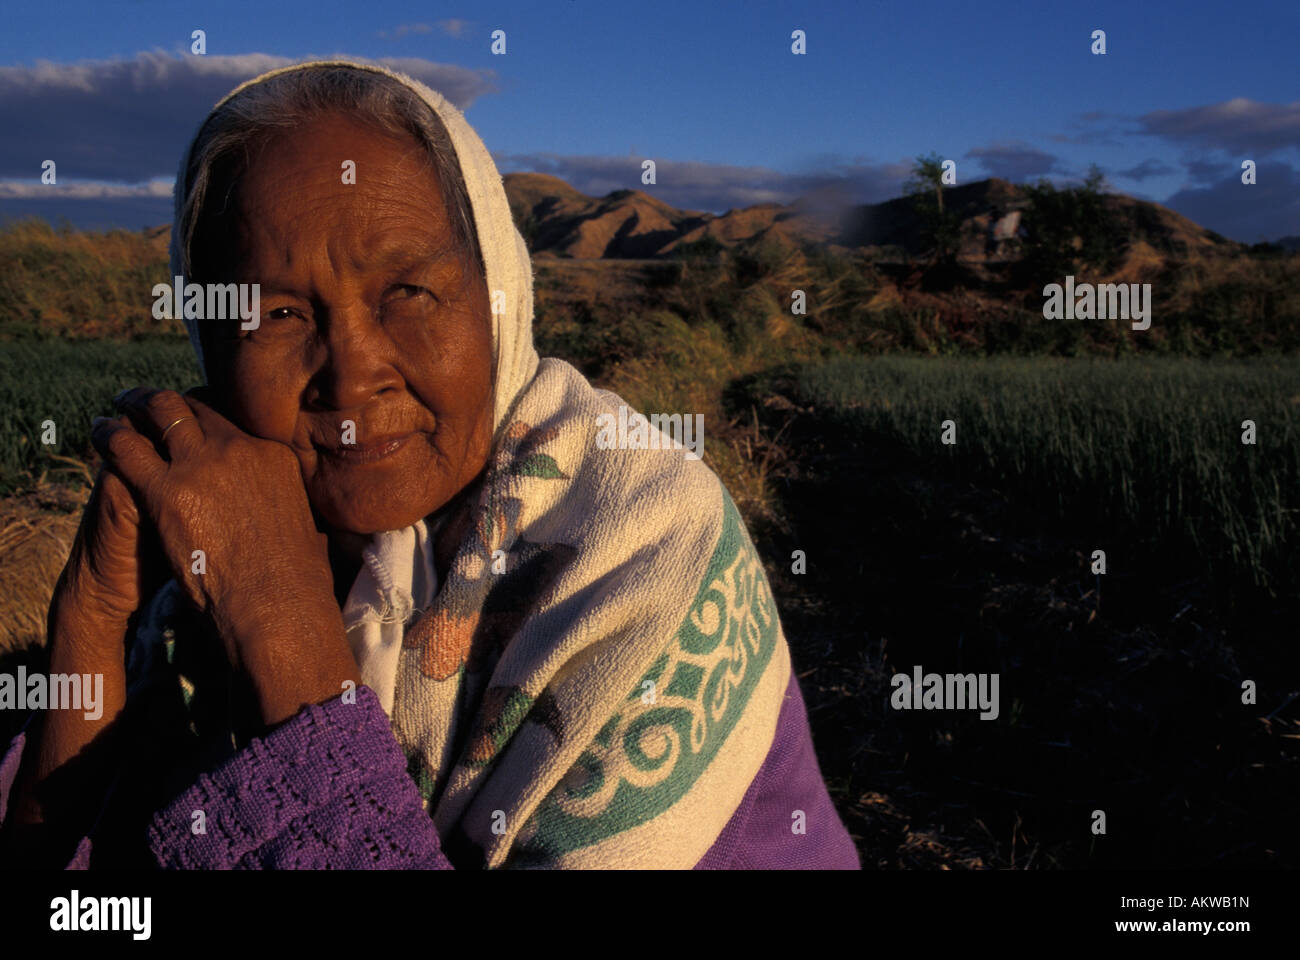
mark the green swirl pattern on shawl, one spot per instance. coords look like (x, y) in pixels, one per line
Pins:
(734, 583)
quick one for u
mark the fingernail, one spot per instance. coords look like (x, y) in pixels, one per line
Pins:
(117, 400)
(96, 421)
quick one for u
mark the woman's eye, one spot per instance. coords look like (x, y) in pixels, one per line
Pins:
(405, 291)
(276, 322)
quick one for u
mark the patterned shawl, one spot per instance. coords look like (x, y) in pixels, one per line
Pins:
(598, 680)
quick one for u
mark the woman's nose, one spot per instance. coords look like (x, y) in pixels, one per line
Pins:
(357, 364)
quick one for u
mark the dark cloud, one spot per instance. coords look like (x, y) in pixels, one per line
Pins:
(1202, 171)
(1016, 162)
(129, 120)
(718, 187)
(1240, 126)
(1265, 211)
(1147, 168)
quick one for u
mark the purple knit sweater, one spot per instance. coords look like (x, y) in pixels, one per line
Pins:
(328, 789)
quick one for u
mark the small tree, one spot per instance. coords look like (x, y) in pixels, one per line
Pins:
(1095, 182)
(1101, 233)
(927, 179)
(940, 228)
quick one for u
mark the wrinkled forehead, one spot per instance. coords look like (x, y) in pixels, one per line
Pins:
(333, 169)
(330, 158)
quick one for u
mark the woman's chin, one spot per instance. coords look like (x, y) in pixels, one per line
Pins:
(367, 504)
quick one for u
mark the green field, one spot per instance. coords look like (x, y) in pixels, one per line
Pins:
(1147, 449)
(69, 382)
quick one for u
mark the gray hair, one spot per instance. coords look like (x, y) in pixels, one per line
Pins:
(223, 146)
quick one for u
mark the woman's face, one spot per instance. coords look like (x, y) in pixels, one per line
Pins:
(368, 315)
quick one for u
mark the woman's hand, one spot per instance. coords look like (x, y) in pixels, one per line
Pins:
(235, 525)
(100, 587)
(106, 576)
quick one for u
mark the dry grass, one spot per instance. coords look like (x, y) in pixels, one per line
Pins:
(36, 533)
(80, 285)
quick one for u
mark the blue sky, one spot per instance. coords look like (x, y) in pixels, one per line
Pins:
(709, 90)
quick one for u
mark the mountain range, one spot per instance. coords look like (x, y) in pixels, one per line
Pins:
(561, 223)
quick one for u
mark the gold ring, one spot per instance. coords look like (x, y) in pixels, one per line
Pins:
(173, 424)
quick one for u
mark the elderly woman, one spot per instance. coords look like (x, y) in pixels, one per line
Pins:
(413, 614)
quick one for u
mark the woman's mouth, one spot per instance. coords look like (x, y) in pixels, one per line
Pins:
(371, 451)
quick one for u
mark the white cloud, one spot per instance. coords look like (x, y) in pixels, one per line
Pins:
(453, 28)
(83, 190)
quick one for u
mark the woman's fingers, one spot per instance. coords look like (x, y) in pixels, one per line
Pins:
(118, 506)
(129, 454)
(164, 417)
(101, 579)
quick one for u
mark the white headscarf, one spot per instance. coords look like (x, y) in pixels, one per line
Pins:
(397, 578)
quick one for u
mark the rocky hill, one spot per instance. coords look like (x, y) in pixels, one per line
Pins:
(558, 221)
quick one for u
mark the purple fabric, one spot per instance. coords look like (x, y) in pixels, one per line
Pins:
(761, 834)
(81, 859)
(9, 771)
(329, 789)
